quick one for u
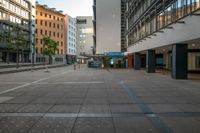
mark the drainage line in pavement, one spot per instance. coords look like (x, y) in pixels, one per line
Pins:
(155, 120)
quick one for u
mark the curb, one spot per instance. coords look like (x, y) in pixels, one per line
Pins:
(29, 69)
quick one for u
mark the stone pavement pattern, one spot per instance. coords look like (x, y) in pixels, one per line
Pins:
(97, 101)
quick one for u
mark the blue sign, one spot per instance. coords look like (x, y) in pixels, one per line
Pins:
(114, 54)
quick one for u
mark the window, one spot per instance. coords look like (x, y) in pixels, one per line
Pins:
(198, 62)
(41, 22)
(41, 41)
(58, 34)
(54, 25)
(46, 32)
(45, 15)
(36, 31)
(45, 23)
(58, 26)
(54, 34)
(41, 32)
(40, 13)
(49, 24)
(36, 50)
(49, 16)
(54, 17)
(41, 50)
(61, 43)
(50, 33)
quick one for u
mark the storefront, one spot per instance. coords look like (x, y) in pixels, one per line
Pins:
(115, 60)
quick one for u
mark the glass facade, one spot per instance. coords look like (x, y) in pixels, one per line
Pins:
(15, 14)
(149, 16)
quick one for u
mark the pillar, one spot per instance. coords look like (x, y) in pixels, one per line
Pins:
(151, 61)
(137, 61)
(179, 61)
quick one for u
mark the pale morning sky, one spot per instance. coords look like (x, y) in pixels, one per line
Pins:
(71, 7)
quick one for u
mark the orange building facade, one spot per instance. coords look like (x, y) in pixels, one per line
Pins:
(51, 23)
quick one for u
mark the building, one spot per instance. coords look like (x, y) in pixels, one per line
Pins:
(51, 23)
(84, 36)
(18, 18)
(164, 33)
(110, 26)
(71, 40)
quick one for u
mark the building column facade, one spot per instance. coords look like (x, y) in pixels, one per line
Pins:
(137, 61)
(151, 61)
(179, 61)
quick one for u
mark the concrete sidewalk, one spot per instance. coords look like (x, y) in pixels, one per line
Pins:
(88, 100)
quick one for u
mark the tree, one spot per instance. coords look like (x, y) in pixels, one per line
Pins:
(21, 42)
(49, 47)
(9, 43)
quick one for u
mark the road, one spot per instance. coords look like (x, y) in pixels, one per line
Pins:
(90, 100)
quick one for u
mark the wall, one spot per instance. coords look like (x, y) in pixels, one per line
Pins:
(108, 25)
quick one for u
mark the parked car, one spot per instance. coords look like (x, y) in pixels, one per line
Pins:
(94, 64)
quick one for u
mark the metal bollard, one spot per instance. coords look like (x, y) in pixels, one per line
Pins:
(79, 66)
(74, 67)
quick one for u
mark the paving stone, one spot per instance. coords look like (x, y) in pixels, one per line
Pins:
(125, 100)
(53, 125)
(124, 108)
(163, 108)
(3, 99)
(45, 100)
(95, 108)
(65, 109)
(10, 108)
(93, 125)
(134, 125)
(189, 107)
(35, 108)
(21, 99)
(70, 101)
(90, 100)
(17, 124)
(182, 124)
(150, 99)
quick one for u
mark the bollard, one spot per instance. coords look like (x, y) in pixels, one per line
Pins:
(79, 66)
(74, 67)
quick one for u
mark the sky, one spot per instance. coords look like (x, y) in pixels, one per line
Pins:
(71, 7)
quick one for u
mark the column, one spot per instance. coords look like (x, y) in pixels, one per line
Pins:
(151, 61)
(137, 61)
(179, 61)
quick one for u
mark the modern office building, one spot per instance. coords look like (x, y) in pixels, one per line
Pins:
(84, 36)
(71, 40)
(51, 23)
(164, 33)
(110, 26)
(18, 18)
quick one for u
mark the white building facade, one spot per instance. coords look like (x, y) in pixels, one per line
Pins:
(71, 40)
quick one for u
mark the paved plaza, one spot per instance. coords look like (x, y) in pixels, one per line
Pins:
(90, 100)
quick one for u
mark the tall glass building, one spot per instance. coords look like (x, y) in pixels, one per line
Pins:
(164, 33)
(17, 18)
